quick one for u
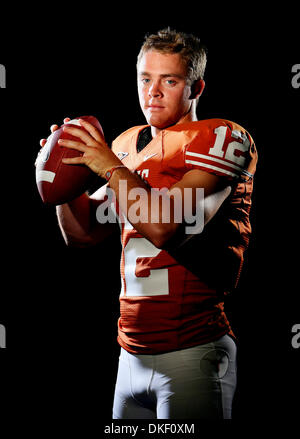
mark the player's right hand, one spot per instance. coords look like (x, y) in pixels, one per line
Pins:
(52, 129)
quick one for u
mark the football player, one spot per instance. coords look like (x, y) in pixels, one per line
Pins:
(178, 353)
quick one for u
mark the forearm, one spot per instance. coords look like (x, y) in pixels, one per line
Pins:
(78, 222)
(195, 199)
(142, 209)
(73, 220)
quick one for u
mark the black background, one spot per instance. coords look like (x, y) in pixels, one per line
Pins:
(60, 305)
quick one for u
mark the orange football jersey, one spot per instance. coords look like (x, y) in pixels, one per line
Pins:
(174, 299)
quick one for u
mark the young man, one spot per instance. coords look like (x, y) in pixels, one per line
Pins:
(177, 348)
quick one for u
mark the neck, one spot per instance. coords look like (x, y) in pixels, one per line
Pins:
(190, 116)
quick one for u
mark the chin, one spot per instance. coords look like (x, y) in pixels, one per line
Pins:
(159, 123)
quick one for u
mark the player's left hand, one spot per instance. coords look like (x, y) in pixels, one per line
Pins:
(96, 153)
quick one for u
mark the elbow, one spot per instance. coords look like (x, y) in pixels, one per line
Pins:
(161, 235)
(75, 242)
(175, 235)
(158, 242)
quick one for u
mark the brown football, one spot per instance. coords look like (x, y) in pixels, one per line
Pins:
(58, 182)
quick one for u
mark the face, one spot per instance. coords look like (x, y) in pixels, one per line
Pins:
(163, 89)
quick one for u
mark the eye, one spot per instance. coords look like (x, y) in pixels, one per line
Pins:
(171, 82)
(145, 80)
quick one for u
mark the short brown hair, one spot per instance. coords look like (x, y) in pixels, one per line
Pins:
(188, 46)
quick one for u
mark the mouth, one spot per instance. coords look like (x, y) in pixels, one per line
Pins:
(155, 107)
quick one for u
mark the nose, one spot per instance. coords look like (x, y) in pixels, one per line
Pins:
(154, 90)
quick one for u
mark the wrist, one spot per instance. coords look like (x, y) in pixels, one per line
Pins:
(109, 172)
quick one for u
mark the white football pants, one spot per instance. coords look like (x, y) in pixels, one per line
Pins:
(193, 383)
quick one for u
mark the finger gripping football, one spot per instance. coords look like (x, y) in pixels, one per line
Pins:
(57, 182)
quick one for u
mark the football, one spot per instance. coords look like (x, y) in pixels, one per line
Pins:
(57, 182)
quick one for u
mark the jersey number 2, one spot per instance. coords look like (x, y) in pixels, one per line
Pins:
(156, 283)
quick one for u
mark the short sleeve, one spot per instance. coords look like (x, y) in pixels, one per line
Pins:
(223, 148)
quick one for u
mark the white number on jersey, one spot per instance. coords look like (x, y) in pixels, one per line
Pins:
(232, 148)
(156, 284)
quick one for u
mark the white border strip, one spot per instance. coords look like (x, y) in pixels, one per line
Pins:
(73, 122)
(213, 159)
(215, 168)
(45, 176)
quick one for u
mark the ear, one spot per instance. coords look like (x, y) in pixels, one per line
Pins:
(197, 89)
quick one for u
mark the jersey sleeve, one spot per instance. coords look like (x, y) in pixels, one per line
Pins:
(222, 148)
